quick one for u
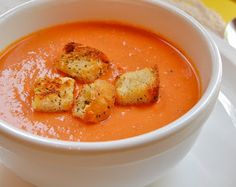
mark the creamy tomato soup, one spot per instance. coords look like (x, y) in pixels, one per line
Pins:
(128, 48)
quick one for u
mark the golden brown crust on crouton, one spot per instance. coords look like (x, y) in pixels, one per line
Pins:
(52, 95)
(84, 63)
(71, 46)
(94, 101)
(138, 87)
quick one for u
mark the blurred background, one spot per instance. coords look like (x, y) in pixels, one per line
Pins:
(226, 8)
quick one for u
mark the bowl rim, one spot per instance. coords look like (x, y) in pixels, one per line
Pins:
(143, 139)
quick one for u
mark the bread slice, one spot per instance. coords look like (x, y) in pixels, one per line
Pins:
(94, 101)
(52, 95)
(137, 87)
(84, 63)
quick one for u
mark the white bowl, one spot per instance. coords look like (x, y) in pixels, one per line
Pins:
(135, 161)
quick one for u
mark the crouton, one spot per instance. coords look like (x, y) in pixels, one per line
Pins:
(94, 101)
(52, 95)
(138, 87)
(84, 63)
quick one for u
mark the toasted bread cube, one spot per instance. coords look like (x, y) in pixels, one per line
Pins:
(52, 95)
(95, 101)
(84, 63)
(137, 87)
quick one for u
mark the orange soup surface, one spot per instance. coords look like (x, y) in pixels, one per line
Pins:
(128, 48)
